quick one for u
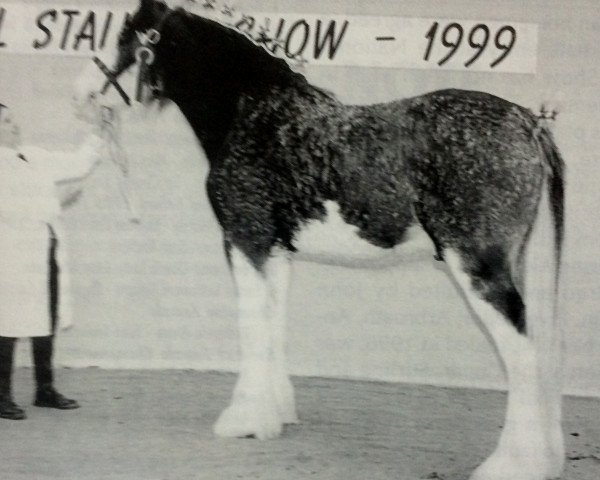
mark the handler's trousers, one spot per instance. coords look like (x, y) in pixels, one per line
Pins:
(42, 350)
(42, 347)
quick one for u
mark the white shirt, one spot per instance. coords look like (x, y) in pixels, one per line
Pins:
(28, 202)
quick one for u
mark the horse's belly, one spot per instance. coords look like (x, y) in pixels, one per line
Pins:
(335, 242)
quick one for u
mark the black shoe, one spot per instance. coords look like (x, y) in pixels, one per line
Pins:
(48, 397)
(10, 410)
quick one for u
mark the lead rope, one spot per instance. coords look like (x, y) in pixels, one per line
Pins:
(110, 129)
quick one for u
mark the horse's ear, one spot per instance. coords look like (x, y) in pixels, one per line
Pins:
(181, 4)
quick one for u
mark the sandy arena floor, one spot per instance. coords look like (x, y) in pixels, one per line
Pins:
(157, 425)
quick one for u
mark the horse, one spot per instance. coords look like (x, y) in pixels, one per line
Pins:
(294, 174)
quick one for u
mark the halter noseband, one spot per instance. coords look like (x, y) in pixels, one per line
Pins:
(111, 79)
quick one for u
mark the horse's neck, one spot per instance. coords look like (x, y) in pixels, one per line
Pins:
(210, 108)
(211, 111)
(211, 122)
(209, 94)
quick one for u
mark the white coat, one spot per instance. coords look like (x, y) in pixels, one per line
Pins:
(28, 205)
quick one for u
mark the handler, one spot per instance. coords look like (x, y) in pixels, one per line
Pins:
(33, 295)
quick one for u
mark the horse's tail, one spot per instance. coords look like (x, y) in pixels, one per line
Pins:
(543, 256)
(556, 187)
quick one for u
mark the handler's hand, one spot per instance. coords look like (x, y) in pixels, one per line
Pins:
(110, 123)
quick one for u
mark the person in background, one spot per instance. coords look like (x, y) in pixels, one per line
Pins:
(33, 294)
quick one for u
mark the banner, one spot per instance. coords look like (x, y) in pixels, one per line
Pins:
(335, 40)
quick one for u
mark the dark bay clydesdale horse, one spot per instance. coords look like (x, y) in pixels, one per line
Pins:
(466, 176)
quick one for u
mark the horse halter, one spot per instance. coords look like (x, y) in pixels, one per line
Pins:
(144, 58)
(111, 79)
(145, 53)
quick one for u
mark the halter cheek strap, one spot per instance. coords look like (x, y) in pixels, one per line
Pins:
(144, 57)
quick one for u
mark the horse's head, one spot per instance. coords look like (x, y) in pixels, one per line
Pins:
(99, 83)
(140, 32)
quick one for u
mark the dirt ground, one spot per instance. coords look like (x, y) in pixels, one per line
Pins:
(157, 425)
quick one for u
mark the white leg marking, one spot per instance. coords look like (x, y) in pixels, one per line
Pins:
(543, 323)
(253, 409)
(277, 272)
(524, 451)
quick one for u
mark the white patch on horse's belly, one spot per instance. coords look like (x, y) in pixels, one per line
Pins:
(335, 242)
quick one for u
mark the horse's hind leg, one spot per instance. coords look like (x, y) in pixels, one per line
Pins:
(530, 446)
(253, 410)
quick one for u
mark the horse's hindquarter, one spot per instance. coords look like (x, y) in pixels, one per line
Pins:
(475, 167)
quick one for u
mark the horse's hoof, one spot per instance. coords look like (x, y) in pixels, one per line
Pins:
(536, 466)
(286, 403)
(249, 419)
(290, 418)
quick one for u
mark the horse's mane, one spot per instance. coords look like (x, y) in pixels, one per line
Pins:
(257, 61)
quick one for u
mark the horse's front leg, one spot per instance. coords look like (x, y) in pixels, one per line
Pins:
(278, 274)
(253, 410)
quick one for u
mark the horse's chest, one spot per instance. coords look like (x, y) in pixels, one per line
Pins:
(333, 241)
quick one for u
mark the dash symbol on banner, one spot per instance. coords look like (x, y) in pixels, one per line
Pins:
(385, 39)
